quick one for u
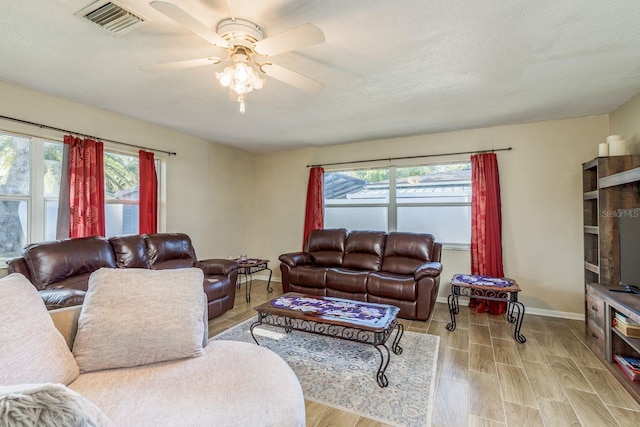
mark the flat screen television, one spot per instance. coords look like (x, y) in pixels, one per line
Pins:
(629, 235)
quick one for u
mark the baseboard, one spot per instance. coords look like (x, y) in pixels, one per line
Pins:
(531, 310)
(264, 277)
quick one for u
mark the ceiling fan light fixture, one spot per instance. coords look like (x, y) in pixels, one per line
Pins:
(246, 45)
(241, 77)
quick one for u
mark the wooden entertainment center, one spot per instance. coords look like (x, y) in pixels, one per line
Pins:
(609, 184)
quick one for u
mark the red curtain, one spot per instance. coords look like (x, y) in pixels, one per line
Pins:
(314, 215)
(486, 226)
(148, 193)
(86, 187)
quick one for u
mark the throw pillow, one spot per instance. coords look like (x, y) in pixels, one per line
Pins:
(132, 317)
(47, 405)
(33, 351)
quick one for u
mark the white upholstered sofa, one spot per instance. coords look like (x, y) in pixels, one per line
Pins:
(129, 370)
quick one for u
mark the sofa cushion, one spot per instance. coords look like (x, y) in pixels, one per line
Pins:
(134, 317)
(308, 276)
(350, 281)
(52, 262)
(170, 250)
(364, 249)
(404, 252)
(48, 405)
(394, 286)
(63, 297)
(33, 351)
(327, 247)
(130, 251)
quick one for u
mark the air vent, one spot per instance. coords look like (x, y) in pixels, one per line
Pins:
(112, 16)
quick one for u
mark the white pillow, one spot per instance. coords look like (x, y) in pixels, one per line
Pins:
(32, 349)
(48, 405)
(133, 317)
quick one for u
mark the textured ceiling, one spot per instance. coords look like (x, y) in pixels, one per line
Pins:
(390, 68)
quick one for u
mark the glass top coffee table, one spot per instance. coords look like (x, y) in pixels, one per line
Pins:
(363, 322)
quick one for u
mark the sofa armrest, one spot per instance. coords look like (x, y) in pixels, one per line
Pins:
(217, 266)
(63, 297)
(295, 258)
(428, 269)
(18, 265)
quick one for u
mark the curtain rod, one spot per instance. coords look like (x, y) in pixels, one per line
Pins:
(412, 157)
(170, 153)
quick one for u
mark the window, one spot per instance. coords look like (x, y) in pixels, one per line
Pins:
(30, 170)
(52, 171)
(430, 198)
(15, 193)
(121, 193)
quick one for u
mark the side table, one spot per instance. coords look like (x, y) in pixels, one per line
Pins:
(250, 266)
(487, 288)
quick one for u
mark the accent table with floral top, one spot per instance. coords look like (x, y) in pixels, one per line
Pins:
(359, 321)
(249, 266)
(487, 288)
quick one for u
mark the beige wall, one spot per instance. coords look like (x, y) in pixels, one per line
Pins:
(207, 186)
(625, 121)
(541, 180)
(203, 181)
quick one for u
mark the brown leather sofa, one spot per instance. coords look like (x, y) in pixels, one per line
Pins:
(401, 269)
(60, 269)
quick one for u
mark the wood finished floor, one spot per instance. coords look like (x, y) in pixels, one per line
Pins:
(484, 378)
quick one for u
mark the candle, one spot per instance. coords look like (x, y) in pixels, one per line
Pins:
(614, 138)
(603, 150)
(617, 147)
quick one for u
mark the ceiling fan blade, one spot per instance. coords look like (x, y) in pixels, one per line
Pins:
(168, 66)
(189, 22)
(292, 78)
(295, 38)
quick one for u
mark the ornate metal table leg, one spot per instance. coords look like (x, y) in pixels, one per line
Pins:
(248, 282)
(254, 324)
(510, 308)
(269, 288)
(519, 308)
(381, 377)
(454, 309)
(395, 347)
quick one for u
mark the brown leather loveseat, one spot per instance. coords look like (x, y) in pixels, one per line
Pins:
(401, 269)
(60, 269)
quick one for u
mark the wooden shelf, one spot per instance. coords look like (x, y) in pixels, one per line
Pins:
(615, 342)
(590, 164)
(606, 189)
(591, 229)
(626, 177)
(591, 267)
(633, 342)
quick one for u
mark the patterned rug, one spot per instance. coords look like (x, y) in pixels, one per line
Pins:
(341, 373)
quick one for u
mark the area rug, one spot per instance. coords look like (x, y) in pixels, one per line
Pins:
(341, 373)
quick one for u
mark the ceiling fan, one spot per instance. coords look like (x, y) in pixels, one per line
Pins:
(243, 44)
